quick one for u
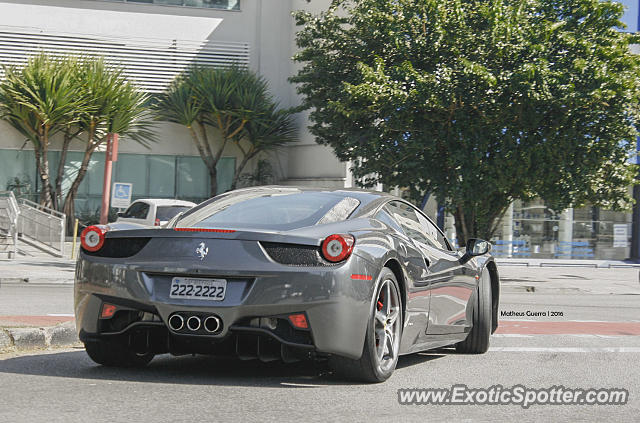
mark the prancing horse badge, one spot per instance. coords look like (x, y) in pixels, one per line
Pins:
(202, 251)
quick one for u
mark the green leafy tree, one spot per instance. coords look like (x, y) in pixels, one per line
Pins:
(113, 105)
(214, 104)
(268, 130)
(76, 98)
(40, 100)
(479, 102)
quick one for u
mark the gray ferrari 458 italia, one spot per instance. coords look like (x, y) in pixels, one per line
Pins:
(281, 273)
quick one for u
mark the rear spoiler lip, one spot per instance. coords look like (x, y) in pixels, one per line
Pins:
(243, 235)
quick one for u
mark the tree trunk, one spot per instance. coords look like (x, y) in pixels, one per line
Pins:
(69, 203)
(46, 191)
(36, 152)
(462, 234)
(60, 171)
(204, 149)
(470, 225)
(213, 177)
(213, 171)
(495, 220)
(240, 168)
(69, 209)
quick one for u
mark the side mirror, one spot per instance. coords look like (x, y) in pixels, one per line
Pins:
(120, 214)
(477, 247)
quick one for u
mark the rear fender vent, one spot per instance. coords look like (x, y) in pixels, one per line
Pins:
(119, 247)
(295, 254)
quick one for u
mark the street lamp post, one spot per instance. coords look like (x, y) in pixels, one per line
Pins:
(110, 157)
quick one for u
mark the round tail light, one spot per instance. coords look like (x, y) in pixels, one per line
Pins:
(337, 247)
(92, 238)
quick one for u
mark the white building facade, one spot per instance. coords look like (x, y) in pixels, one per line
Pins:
(155, 40)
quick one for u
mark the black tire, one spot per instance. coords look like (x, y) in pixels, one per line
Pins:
(477, 341)
(368, 368)
(113, 354)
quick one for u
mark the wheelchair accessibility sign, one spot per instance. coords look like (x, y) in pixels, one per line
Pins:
(121, 195)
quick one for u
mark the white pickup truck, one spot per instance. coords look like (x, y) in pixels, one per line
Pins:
(153, 212)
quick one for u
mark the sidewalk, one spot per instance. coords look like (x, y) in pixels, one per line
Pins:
(532, 262)
(37, 270)
(573, 280)
(29, 331)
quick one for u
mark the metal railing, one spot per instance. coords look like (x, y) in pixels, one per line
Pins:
(42, 226)
(9, 216)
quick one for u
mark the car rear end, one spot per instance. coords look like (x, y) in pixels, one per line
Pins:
(258, 292)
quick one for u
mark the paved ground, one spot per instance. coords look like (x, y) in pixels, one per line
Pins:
(573, 348)
(65, 386)
(37, 270)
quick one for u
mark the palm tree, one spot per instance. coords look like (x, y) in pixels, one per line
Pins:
(222, 99)
(40, 100)
(115, 106)
(270, 129)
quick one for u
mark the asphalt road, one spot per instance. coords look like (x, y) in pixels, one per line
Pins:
(28, 299)
(64, 385)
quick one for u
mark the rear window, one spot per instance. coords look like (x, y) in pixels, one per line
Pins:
(279, 211)
(168, 212)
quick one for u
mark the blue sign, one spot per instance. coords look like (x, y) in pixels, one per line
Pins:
(121, 194)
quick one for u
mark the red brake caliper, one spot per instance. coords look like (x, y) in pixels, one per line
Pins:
(379, 305)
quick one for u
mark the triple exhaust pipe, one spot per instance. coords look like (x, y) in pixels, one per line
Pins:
(211, 324)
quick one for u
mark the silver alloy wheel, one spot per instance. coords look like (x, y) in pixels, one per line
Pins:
(386, 325)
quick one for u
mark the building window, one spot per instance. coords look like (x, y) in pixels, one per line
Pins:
(213, 4)
(152, 175)
(532, 230)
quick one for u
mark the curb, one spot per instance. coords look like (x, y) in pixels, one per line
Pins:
(37, 281)
(38, 338)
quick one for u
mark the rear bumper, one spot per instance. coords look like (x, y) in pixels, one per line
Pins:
(336, 306)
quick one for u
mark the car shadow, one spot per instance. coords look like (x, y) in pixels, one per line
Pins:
(189, 370)
(418, 358)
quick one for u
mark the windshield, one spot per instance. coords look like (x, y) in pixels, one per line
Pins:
(279, 211)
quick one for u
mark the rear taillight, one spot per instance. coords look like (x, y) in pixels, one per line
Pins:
(337, 247)
(92, 238)
(120, 247)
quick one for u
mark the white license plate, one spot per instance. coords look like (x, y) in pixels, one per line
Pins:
(198, 289)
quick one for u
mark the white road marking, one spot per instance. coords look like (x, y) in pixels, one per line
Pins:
(590, 335)
(564, 321)
(567, 349)
(577, 335)
(60, 315)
